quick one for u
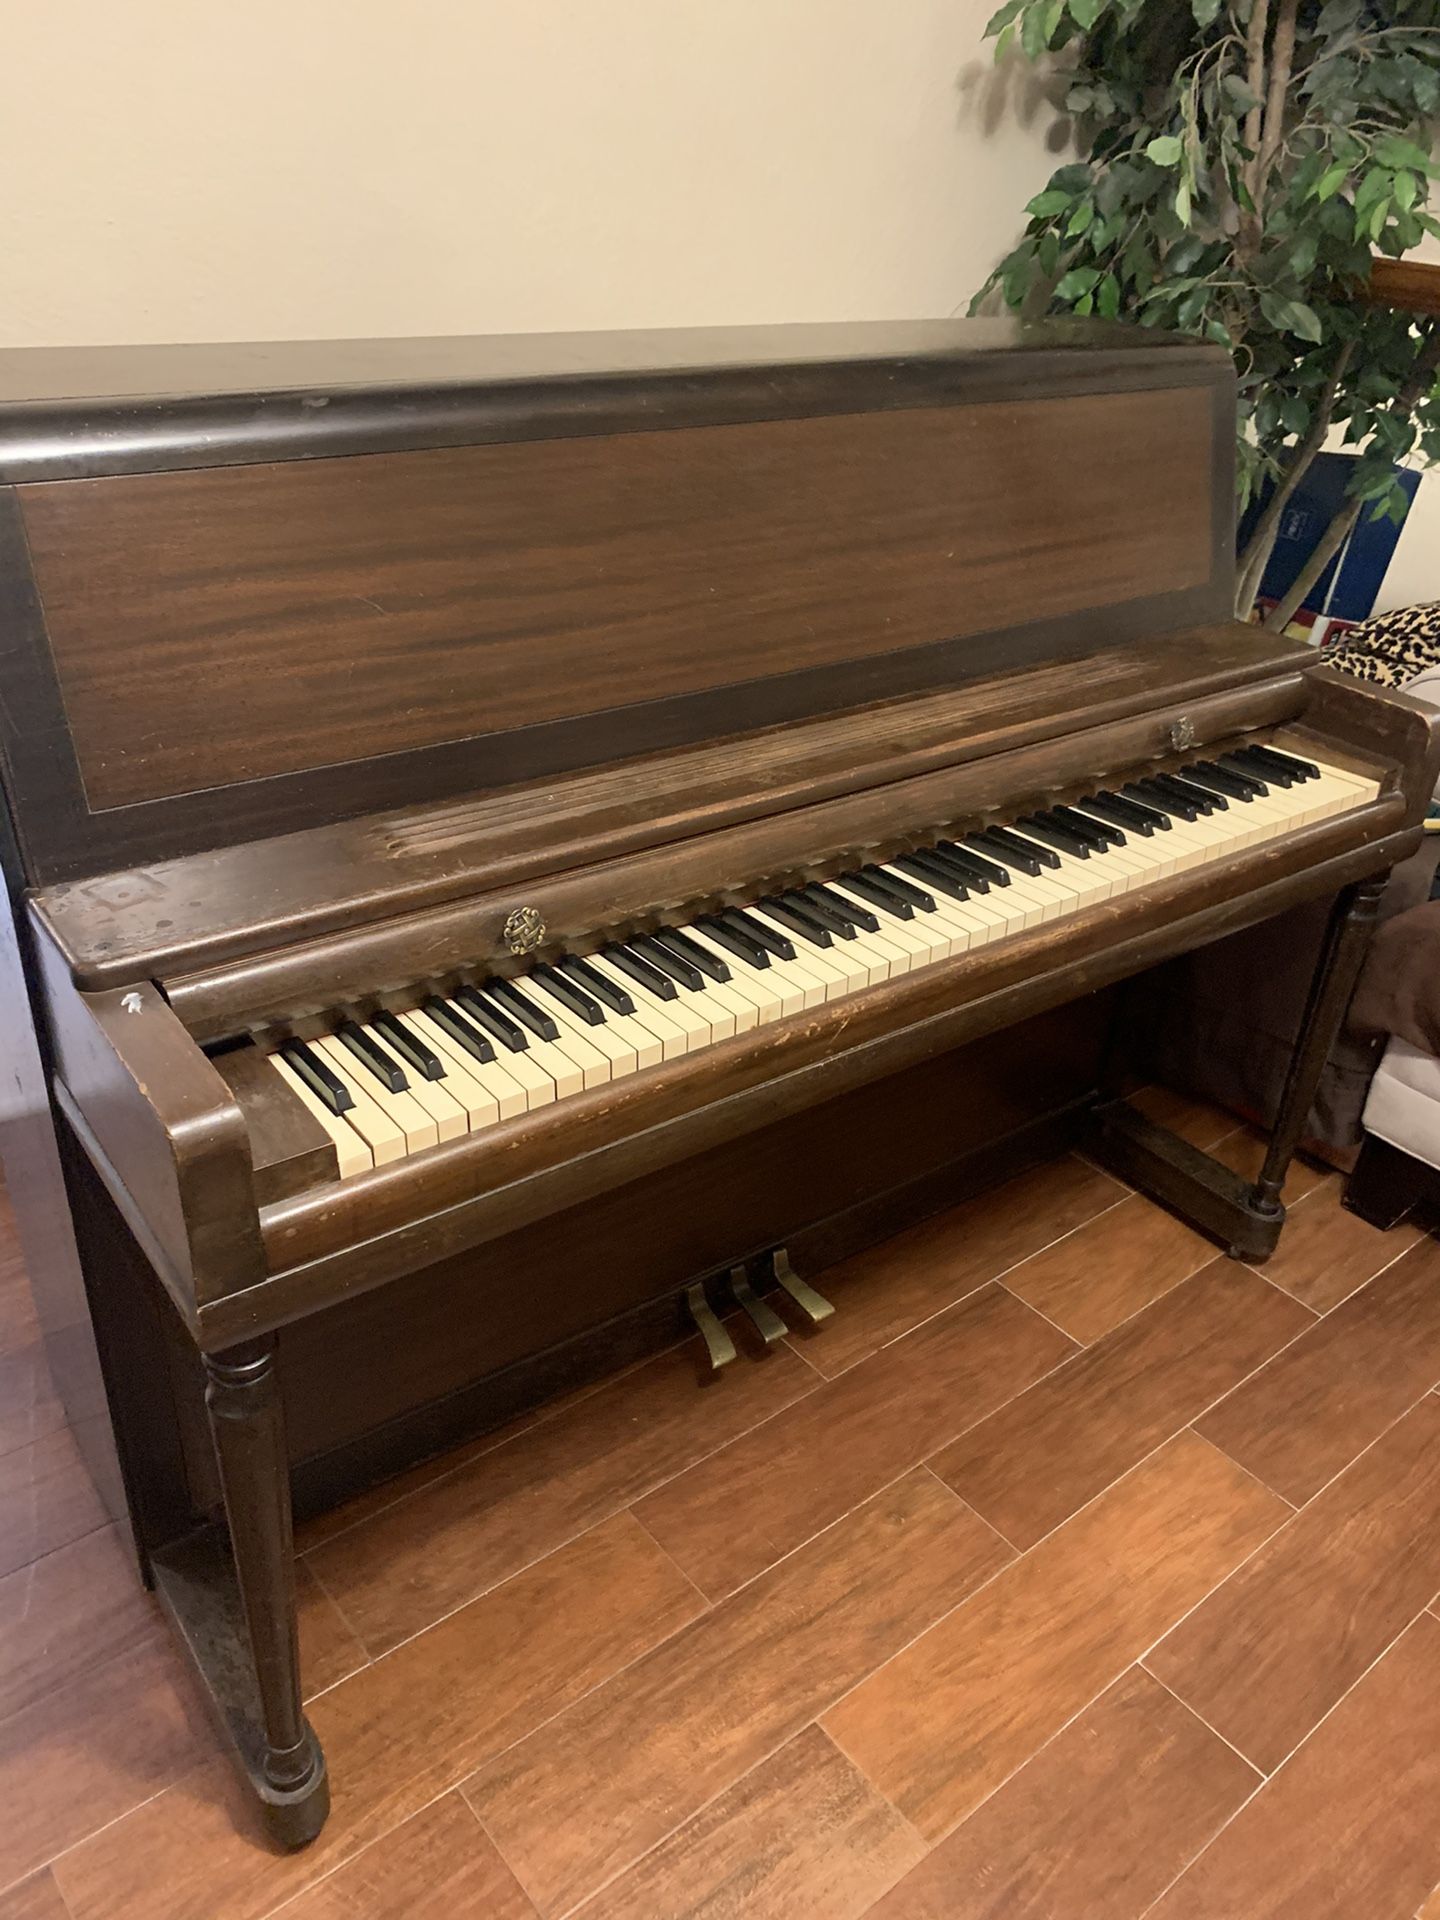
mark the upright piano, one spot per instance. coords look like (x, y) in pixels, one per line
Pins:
(519, 847)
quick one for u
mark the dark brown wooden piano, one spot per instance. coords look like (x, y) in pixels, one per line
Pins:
(523, 847)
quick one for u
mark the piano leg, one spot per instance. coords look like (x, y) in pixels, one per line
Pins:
(1352, 921)
(281, 1753)
(1246, 1216)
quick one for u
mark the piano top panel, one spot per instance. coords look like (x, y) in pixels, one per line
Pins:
(210, 908)
(598, 567)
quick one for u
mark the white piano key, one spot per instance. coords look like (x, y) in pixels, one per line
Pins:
(754, 982)
(676, 1029)
(352, 1155)
(620, 1053)
(895, 934)
(484, 1104)
(385, 1139)
(417, 1129)
(537, 1057)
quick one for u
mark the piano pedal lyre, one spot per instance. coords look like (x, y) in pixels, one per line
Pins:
(719, 1347)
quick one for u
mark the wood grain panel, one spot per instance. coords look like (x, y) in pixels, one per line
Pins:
(439, 1862)
(949, 1719)
(422, 1557)
(744, 1506)
(396, 1735)
(888, 1289)
(1109, 1268)
(35, 1899)
(1269, 1654)
(803, 1834)
(1094, 1828)
(1036, 1461)
(47, 1499)
(216, 627)
(1326, 1251)
(1313, 1408)
(1348, 1829)
(67, 1614)
(88, 1753)
(591, 1792)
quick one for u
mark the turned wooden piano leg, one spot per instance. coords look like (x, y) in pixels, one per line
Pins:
(1352, 920)
(247, 1420)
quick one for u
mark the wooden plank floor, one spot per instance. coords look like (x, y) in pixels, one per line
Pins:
(1072, 1573)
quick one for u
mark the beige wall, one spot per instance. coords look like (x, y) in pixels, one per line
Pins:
(188, 170)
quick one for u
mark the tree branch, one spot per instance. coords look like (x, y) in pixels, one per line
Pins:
(1255, 82)
(1282, 59)
(1262, 539)
(1331, 541)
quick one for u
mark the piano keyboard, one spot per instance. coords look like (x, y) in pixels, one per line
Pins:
(397, 1083)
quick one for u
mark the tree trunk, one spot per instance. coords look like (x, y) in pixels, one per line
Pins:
(1331, 541)
(1261, 543)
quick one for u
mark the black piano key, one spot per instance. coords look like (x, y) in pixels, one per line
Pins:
(1179, 790)
(1258, 785)
(830, 909)
(508, 997)
(318, 1075)
(676, 965)
(642, 971)
(886, 898)
(595, 983)
(1161, 801)
(740, 944)
(459, 1028)
(372, 1056)
(409, 1046)
(1133, 813)
(918, 896)
(800, 919)
(1101, 833)
(850, 911)
(973, 868)
(1216, 802)
(1007, 837)
(580, 1003)
(1307, 769)
(759, 930)
(486, 1013)
(933, 875)
(680, 942)
(1022, 862)
(1064, 839)
(1206, 773)
(1262, 768)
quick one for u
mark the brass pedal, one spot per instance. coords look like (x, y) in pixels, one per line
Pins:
(718, 1344)
(813, 1305)
(763, 1317)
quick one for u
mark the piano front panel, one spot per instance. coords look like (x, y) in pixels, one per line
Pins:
(255, 622)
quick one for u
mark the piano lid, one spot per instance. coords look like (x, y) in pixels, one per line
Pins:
(69, 412)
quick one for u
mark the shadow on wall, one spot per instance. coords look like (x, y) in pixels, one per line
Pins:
(1015, 92)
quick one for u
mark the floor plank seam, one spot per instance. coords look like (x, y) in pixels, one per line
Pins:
(1195, 1714)
(1249, 1472)
(1280, 1766)
(1359, 1287)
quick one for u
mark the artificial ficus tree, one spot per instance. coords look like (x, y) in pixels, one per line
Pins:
(1241, 159)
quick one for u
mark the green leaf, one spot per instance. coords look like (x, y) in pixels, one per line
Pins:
(1107, 297)
(1378, 218)
(1085, 304)
(1086, 12)
(1052, 201)
(1331, 181)
(1165, 151)
(1078, 281)
(1182, 203)
(1395, 151)
(1002, 17)
(1003, 43)
(1206, 12)
(1407, 190)
(1083, 215)
(1032, 31)
(1306, 322)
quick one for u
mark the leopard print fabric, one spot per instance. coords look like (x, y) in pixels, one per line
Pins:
(1392, 648)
